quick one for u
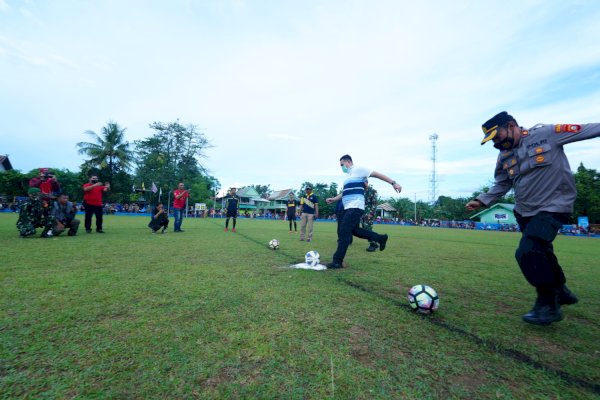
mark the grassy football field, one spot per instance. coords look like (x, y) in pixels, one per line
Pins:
(209, 314)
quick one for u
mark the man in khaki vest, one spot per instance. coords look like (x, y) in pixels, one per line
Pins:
(309, 206)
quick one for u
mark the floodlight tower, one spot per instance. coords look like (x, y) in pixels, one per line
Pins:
(433, 179)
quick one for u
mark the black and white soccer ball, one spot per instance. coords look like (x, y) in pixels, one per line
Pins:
(274, 244)
(423, 299)
(312, 258)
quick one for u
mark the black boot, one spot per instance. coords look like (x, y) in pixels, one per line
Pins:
(372, 246)
(565, 297)
(546, 310)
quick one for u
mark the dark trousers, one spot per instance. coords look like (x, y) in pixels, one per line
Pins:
(292, 218)
(93, 210)
(348, 227)
(535, 254)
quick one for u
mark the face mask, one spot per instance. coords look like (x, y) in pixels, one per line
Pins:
(344, 169)
(505, 144)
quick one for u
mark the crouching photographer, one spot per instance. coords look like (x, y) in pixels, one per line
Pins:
(63, 214)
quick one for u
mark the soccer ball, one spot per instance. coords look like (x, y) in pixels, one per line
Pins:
(312, 258)
(423, 299)
(274, 244)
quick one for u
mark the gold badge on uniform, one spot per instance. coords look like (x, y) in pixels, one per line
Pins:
(539, 159)
(538, 150)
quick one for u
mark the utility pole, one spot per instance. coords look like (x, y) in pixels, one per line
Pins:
(433, 179)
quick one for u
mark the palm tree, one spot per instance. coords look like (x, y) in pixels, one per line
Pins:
(108, 151)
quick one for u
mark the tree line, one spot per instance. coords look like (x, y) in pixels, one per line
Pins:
(175, 153)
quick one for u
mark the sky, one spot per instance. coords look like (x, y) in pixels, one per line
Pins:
(282, 89)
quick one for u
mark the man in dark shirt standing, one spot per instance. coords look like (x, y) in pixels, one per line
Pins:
(291, 211)
(232, 204)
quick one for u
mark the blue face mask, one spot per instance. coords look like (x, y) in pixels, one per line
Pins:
(344, 169)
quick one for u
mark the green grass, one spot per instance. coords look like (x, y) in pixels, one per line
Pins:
(208, 314)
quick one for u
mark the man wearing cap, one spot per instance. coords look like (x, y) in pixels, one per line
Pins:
(534, 164)
(232, 205)
(353, 199)
(47, 183)
(309, 207)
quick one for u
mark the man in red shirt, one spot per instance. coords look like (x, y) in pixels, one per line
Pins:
(92, 202)
(180, 195)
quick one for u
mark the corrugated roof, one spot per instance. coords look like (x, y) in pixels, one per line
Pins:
(280, 194)
(386, 207)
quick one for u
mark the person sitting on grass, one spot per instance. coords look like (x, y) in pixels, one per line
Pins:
(160, 219)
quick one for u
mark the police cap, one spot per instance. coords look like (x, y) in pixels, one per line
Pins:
(490, 127)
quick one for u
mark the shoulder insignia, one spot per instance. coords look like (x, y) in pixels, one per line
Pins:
(572, 128)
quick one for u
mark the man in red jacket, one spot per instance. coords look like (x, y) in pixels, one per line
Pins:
(92, 202)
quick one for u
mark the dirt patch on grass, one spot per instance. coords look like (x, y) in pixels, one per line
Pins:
(359, 349)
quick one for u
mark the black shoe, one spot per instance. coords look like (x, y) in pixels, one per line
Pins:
(164, 231)
(544, 312)
(372, 247)
(88, 231)
(71, 233)
(334, 265)
(382, 242)
(565, 297)
(99, 231)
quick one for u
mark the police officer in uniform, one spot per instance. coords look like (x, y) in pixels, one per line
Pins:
(533, 162)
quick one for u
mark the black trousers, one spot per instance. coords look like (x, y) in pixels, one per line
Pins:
(535, 254)
(350, 226)
(92, 210)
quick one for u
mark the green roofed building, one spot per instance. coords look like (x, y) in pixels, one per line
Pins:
(499, 213)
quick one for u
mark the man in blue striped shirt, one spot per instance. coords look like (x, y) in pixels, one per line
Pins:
(353, 199)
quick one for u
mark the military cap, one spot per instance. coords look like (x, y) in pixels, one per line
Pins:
(490, 127)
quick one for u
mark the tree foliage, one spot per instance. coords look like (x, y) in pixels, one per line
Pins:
(108, 152)
(172, 155)
(587, 182)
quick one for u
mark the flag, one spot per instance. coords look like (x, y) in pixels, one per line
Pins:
(154, 188)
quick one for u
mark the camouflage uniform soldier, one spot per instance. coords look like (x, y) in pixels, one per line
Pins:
(369, 215)
(33, 214)
(534, 164)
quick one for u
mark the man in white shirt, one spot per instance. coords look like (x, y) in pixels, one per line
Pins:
(353, 199)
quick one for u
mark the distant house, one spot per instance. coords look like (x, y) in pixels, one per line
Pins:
(277, 201)
(249, 199)
(499, 213)
(385, 211)
(5, 163)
